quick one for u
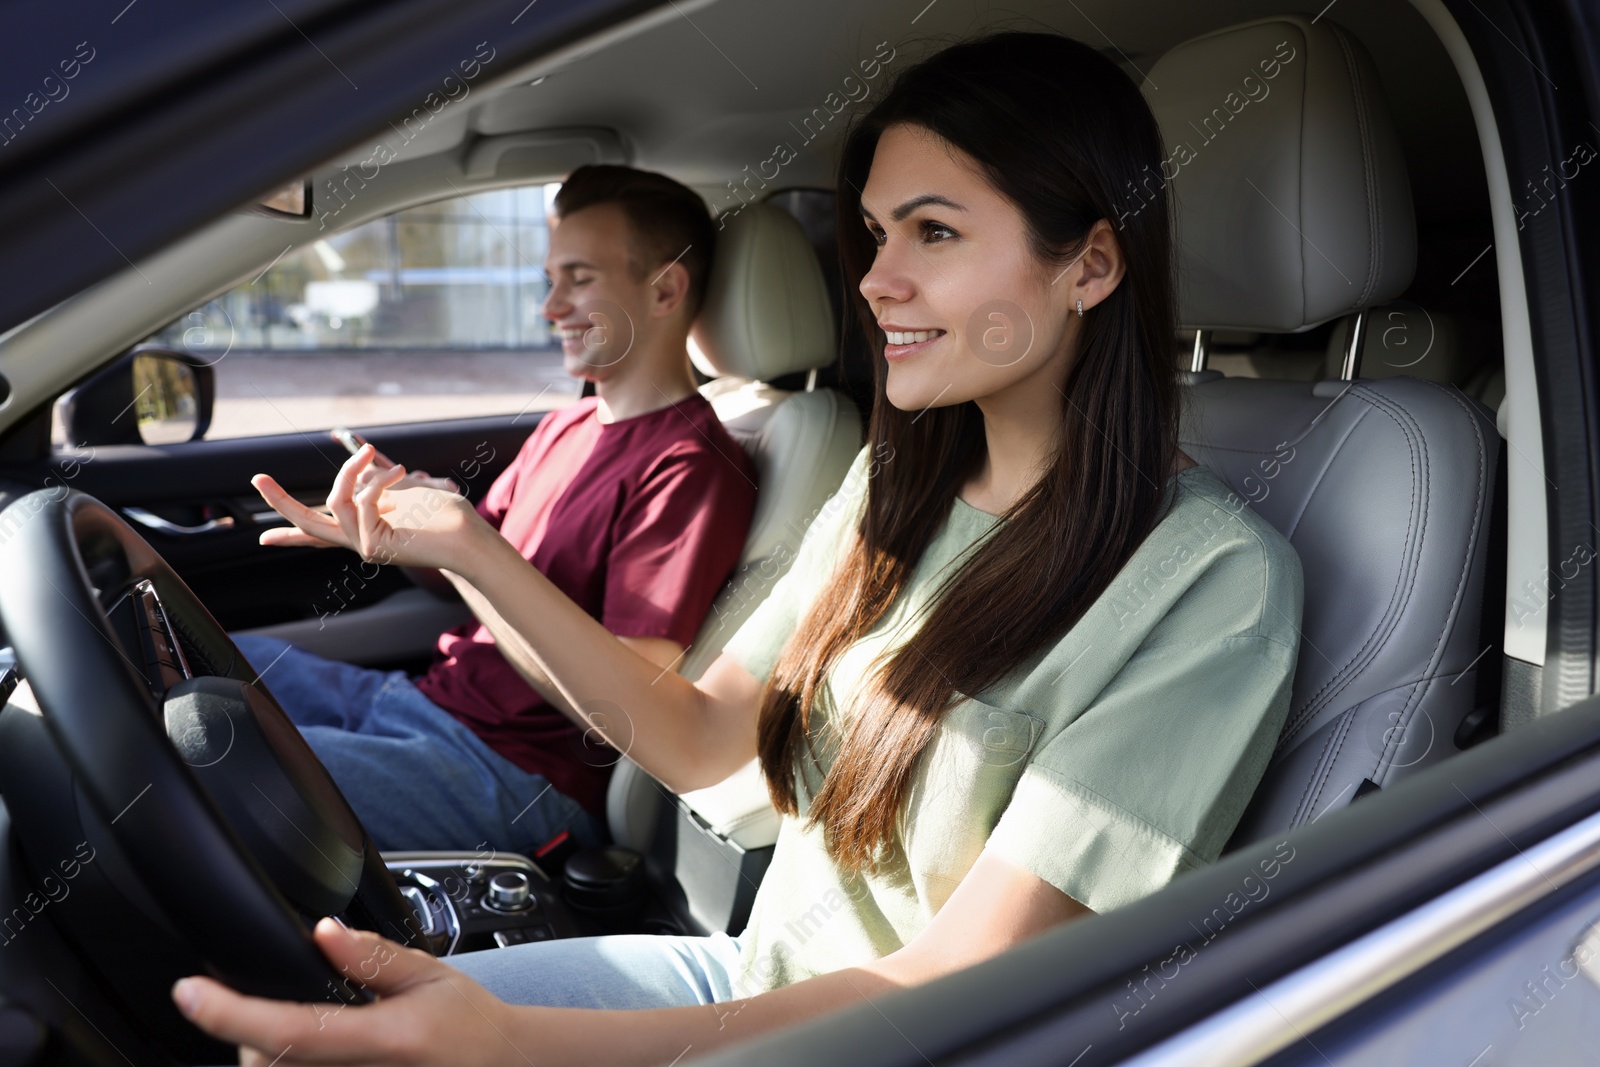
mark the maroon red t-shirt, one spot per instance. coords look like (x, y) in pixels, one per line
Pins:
(640, 521)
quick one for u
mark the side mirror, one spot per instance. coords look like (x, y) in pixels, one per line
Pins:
(150, 396)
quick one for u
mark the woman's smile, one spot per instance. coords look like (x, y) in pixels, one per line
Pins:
(904, 342)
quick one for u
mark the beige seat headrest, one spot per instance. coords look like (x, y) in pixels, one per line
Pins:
(1293, 203)
(766, 311)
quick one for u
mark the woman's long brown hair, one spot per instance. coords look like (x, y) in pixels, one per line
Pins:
(1066, 137)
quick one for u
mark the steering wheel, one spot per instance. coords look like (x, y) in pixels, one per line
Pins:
(223, 811)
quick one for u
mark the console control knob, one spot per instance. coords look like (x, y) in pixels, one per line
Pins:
(510, 891)
(418, 900)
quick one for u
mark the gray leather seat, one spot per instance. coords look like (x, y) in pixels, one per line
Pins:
(766, 315)
(1299, 212)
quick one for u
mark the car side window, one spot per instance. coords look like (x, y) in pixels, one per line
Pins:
(433, 312)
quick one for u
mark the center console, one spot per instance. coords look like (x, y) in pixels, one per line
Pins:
(467, 901)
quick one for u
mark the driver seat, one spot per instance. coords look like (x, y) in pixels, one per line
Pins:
(766, 315)
(1301, 214)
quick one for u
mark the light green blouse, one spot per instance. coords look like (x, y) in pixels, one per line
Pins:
(1107, 764)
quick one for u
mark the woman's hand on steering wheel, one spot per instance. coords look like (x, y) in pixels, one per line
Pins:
(371, 513)
(426, 1012)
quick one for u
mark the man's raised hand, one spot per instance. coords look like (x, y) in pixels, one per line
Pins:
(371, 513)
(413, 480)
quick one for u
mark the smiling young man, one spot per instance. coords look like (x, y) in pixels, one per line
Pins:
(635, 502)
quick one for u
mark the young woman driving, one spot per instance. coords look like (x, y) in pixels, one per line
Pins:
(1028, 663)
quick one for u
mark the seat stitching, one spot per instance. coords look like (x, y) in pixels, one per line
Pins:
(1403, 720)
(1293, 526)
(1384, 403)
(1311, 705)
(1392, 613)
(1305, 504)
(1294, 724)
(1312, 782)
(1340, 736)
(1365, 137)
(1317, 782)
(1348, 715)
(1407, 716)
(1427, 486)
(1466, 570)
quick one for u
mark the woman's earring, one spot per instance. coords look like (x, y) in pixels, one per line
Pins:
(1080, 309)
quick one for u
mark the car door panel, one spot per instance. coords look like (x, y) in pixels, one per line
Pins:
(1525, 994)
(244, 583)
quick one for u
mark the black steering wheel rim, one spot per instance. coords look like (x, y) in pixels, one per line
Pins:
(214, 888)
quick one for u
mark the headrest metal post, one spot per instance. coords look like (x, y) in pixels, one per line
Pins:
(811, 380)
(1352, 348)
(1202, 351)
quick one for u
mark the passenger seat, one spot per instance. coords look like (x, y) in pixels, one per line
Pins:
(766, 315)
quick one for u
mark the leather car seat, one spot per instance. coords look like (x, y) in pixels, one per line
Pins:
(1298, 210)
(766, 315)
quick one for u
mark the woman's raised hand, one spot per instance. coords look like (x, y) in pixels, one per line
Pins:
(372, 513)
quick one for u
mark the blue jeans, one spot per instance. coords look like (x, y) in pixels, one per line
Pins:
(417, 777)
(621, 971)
